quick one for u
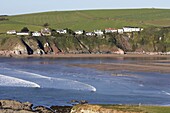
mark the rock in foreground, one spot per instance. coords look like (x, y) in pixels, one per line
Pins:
(12, 106)
(99, 109)
(61, 109)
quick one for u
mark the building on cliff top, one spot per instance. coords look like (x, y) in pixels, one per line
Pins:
(62, 31)
(46, 32)
(98, 32)
(110, 30)
(132, 29)
(79, 32)
(23, 34)
(36, 33)
(11, 32)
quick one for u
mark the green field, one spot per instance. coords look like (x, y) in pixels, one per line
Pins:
(140, 109)
(89, 19)
(122, 108)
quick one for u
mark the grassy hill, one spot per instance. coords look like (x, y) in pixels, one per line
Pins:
(121, 108)
(89, 19)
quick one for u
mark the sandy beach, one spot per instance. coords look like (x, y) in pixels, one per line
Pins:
(158, 65)
(94, 56)
(140, 67)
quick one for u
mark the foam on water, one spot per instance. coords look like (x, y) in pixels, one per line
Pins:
(141, 85)
(33, 74)
(52, 82)
(167, 93)
(73, 84)
(16, 82)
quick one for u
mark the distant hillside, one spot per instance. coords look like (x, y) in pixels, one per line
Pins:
(89, 19)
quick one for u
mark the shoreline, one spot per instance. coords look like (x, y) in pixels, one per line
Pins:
(134, 67)
(88, 56)
(156, 63)
(14, 106)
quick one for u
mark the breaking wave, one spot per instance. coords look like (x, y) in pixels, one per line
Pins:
(16, 82)
(33, 74)
(167, 93)
(50, 82)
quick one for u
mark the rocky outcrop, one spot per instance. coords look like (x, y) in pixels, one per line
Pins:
(50, 48)
(119, 51)
(20, 49)
(12, 106)
(47, 48)
(39, 52)
(7, 53)
(42, 109)
(111, 44)
(55, 49)
(33, 46)
(42, 45)
(97, 109)
(61, 109)
(14, 111)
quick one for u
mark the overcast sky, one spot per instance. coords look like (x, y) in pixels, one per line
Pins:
(12, 7)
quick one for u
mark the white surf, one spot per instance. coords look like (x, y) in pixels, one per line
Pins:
(167, 93)
(50, 82)
(16, 82)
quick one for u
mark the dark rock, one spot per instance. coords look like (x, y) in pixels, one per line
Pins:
(83, 102)
(61, 109)
(47, 48)
(74, 101)
(15, 105)
(39, 52)
(55, 49)
(42, 109)
(0, 105)
(14, 111)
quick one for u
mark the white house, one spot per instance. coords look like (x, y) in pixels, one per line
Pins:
(23, 34)
(46, 32)
(120, 31)
(79, 32)
(110, 30)
(62, 31)
(132, 29)
(11, 32)
(98, 32)
(90, 34)
(36, 33)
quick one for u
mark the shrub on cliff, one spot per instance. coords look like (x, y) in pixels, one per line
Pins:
(24, 30)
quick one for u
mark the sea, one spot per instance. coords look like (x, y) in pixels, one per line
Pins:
(54, 81)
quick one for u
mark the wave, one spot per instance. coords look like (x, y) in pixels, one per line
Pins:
(6, 68)
(33, 74)
(61, 83)
(167, 93)
(52, 82)
(141, 85)
(16, 82)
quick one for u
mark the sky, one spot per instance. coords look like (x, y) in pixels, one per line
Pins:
(14, 7)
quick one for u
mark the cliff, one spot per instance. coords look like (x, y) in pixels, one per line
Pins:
(150, 40)
(54, 45)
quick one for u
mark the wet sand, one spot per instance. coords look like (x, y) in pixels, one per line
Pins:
(95, 56)
(162, 66)
(136, 67)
